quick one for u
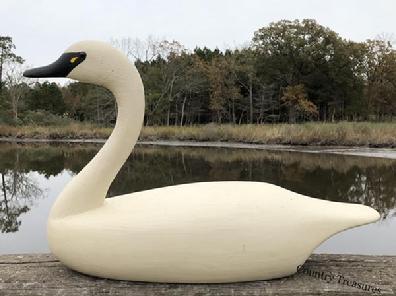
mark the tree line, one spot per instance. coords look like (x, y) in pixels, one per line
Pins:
(291, 71)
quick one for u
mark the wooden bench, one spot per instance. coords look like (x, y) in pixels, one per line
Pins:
(42, 274)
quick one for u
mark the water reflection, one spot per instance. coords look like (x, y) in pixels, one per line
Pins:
(369, 181)
(18, 191)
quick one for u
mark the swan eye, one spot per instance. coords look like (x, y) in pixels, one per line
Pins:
(73, 59)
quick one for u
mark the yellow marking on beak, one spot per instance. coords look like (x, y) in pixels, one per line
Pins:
(73, 59)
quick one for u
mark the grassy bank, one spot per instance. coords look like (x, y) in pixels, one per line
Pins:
(341, 134)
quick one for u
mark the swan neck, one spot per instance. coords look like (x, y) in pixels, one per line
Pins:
(88, 189)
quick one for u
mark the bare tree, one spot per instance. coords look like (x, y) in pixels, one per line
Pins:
(148, 49)
(137, 49)
(387, 37)
(17, 86)
(7, 55)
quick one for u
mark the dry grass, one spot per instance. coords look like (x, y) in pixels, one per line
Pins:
(70, 131)
(328, 134)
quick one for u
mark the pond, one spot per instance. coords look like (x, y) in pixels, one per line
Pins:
(32, 175)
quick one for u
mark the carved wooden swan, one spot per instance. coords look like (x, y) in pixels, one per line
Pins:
(194, 233)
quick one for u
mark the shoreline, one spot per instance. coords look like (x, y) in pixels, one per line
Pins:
(389, 153)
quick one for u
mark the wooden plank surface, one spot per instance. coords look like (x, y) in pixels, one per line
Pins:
(42, 274)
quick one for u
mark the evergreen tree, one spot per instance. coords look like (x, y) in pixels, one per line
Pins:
(46, 96)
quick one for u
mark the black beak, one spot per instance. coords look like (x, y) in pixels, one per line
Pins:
(60, 68)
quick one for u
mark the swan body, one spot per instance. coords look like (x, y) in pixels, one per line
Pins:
(207, 232)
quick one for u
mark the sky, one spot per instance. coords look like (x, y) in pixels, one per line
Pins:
(43, 29)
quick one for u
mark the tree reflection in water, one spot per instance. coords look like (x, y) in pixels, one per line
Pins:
(346, 178)
(18, 192)
(369, 181)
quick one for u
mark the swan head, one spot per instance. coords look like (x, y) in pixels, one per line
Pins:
(87, 61)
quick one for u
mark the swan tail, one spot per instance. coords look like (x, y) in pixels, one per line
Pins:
(353, 215)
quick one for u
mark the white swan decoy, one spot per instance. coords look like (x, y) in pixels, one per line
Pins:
(209, 232)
